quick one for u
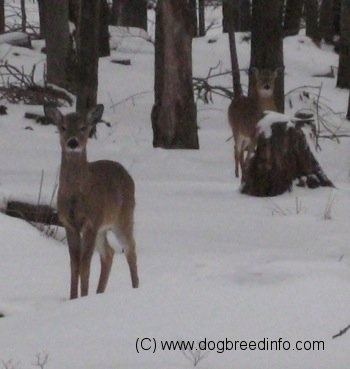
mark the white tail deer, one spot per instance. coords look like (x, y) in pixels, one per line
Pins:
(244, 113)
(93, 198)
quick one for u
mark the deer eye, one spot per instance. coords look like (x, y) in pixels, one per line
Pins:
(63, 128)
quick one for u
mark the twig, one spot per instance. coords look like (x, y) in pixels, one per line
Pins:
(341, 332)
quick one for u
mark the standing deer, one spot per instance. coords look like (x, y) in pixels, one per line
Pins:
(93, 198)
(244, 113)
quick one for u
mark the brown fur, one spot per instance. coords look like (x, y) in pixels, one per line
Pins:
(245, 112)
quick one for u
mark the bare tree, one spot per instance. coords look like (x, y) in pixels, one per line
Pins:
(238, 12)
(344, 46)
(42, 17)
(327, 21)
(267, 44)
(174, 116)
(57, 42)
(24, 15)
(201, 18)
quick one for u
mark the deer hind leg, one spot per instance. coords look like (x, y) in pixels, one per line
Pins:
(124, 233)
(73, 239)
(106, 257)
(88, 246)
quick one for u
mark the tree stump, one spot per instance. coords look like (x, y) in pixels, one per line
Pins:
(282, 156)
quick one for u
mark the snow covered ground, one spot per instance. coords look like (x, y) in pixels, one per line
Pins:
(213, 264)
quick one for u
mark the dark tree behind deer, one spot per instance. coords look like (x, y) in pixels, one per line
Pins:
(267, 44)
(174, 116)
(57, 42)
(344, 46)
(292, 17)
(130, 13)
(327, 21)
(87, 54)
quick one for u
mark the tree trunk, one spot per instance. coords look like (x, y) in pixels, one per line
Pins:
(311, 19)
(103, 42)
(292, 17)
(174, 119)
(201, 18)
(231, 16)
(279, 160)
(267, 44)
(23, 15)
(42, 17)
(348, 113)
(2, 16)
(87, 55)
(192, 4)
(130, 13)
(57, 42)
(344, 46)
(327, 21)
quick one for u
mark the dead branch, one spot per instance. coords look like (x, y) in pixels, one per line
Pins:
(18, 86)
(341, 332)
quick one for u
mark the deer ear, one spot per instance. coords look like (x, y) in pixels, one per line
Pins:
(53, 114)
(95, 114)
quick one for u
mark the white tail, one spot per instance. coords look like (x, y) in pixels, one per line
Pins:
(93, 198)
(244, 113)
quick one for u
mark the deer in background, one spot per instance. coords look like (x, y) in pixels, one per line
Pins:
(93, 198)
(244, 113)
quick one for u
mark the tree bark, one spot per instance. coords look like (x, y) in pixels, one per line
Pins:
(201, 18)
(130, 13)
(174, 116)
(344, 46)
(327, 21)
(279, 160)
(311, 19)
(292, 17)
(103, 42)
(2, 16)
(267, 44)
(57, 42)
(192, 5)
(42, 17)
(87, 55)
(23, 15)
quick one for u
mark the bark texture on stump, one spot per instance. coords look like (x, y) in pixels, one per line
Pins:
(280, 159)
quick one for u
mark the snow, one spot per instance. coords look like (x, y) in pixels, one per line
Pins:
(213, 263)
(270, 118)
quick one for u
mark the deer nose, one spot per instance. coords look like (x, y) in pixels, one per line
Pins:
(267, 87)
(72, 143)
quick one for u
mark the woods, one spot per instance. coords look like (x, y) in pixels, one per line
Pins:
(73, 59)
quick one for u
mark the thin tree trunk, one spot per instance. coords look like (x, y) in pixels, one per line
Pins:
(348, 113)
(103, 42)
(327, 21)
(130, 13)
(2, 16)
(292, 17)
(57, 42)
(344, 46)
(201, 18)
(174, 116)
(24, 15)
(267, 44)
(245, 15)
(42, 17)
(236, 78)
(312, 20)
(192, 4)
(87, 55)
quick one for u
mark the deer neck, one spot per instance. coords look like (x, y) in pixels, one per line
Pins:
(74, 173)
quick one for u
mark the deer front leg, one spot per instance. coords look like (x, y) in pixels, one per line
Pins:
(106, 255)
(87, 250)
(73, 239)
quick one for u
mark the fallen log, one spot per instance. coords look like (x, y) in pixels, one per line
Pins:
(43, 214)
